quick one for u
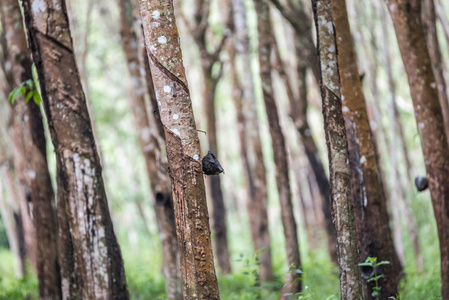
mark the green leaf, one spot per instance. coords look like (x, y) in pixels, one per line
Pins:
(29, 96)
(383, 263)
(365, 264)
(288, 294)
(36, 98)
(15, 93)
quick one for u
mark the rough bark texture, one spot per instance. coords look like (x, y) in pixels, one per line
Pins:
(30, 157)
(406, 17)
(251, 147)
(91, 262)
(436, 59)
(279, 147)
(405, 198)
(307, 59)
(298, 113)
(151, 149)
(210, 57)
(340, 174)
(369, 198)
(183, 149)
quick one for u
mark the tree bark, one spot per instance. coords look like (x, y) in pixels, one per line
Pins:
(369, 198)
(406, 16)
(340, 173)
(151, 150)
(183, 150)
(250, 143)
(30, 157)
(91, 262)
(279, 148)
(307, 59)
(411, 224)
(436, 59)
(298, 114)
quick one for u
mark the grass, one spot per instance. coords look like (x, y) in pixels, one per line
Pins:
(143, 263)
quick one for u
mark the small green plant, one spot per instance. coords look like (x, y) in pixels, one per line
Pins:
(294, 270)
(251, 268)
(27, 89)
(372, 262)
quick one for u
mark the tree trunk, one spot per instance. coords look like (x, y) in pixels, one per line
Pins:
(214, 183)
(279, 148)
(369, 198)
(298, 114)
(250, 143)
(183, 150)
(151, 150)
(411, 224)
(406, 17)
(340, 174)
(91, 262)
(437, 61)
(30, 157)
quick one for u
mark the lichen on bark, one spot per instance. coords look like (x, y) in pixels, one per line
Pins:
(183, 149)
(339, 169)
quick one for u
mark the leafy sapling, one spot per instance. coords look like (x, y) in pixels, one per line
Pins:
(371, 262)
(29, 89)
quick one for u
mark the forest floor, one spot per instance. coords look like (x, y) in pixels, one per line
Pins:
(145, 281)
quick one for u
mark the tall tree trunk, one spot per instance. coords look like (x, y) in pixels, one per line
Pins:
(30, 157)
(183, 150)
(251, 146)
(412, 226)
(436, 59)
(369, 198)
(298, 113)
(279, 148)
(340, 173)
(406, 17)
(91, 262)
(151, 149)
(214, 182)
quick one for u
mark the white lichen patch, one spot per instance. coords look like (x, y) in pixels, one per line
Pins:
(167, 89)
(176, 131)
(196, 157)
(156, 15)
(175, 117)
(362, 160)
(332, 48)
(345, 109)
(162, 39)
(31, 174)
(38, 6)
(421, 125)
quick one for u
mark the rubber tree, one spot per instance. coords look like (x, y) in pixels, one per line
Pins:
(210, 58)
(90, 258)
(30, 157)
(369, 198)
(305, 50)
(340, 173)
(249, 134)
(406, 16)
(265, 36)
(151, 150)
(183, 149)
